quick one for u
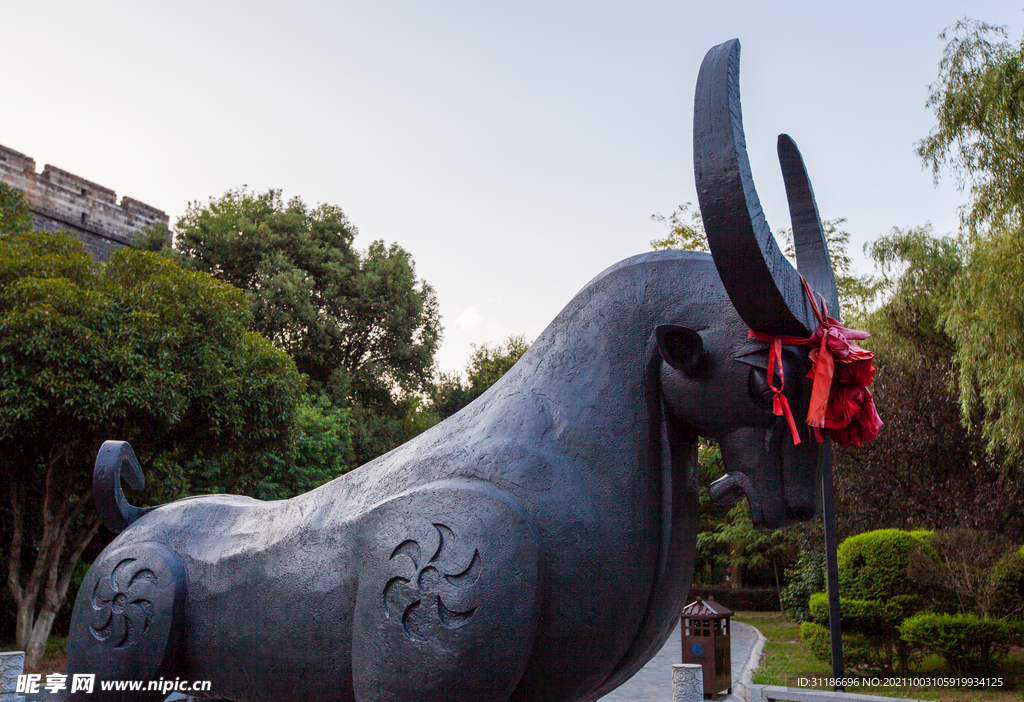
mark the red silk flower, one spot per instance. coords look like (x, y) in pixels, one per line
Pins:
(851, 417)
(841, 403)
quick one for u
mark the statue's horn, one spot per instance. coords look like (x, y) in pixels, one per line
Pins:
(764, 287)
(812, 259)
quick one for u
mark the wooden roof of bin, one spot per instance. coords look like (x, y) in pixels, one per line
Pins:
(710, 609)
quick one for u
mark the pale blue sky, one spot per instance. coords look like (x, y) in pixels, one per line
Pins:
(515, 149)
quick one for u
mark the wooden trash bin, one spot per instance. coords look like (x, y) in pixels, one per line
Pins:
(705, 636)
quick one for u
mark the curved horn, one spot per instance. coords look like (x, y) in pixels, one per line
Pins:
(764, 287)
(812, 259)
(114, 461)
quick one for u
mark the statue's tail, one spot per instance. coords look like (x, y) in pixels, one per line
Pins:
(116, 460)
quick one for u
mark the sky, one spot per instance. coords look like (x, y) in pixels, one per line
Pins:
(515, 149)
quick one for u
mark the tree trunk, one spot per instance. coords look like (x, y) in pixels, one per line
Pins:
(35, 648)
(54, 595)
(737, 576)
(26, 614)
(63, 523)
(778, 588)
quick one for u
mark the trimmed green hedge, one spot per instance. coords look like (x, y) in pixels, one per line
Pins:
(871, 617)
(869, 631)
(875, 596)
(968, 643)
(859, 652)
(883, 627)
(873, 565)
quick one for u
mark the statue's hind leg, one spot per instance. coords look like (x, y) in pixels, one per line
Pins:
(127, 624)
(448, 604)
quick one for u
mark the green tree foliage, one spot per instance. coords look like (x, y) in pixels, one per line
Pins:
(745, 547)
(359, 325)
(320, 441)
(136, 349)
(485, 367)
(978, 102)
(986, 322)
(1008, 576)
(710, 516)
(917, 273)
(154, 237)
(937, 473)
(804, 579)
(687, 236)
(322, 438)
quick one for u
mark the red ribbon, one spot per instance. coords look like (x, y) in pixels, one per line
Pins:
(831, 341)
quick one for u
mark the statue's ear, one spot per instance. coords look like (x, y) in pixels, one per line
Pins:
(680, 347)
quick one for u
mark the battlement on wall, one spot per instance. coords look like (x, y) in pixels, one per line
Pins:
(63, 201)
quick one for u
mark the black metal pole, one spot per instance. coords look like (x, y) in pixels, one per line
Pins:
(831, 561)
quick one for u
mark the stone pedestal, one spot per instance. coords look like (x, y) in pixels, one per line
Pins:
(12, 664)
(687, 682)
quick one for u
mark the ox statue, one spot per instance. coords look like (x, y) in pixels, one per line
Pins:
(539, 544)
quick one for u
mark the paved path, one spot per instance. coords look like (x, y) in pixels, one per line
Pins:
(653, 683)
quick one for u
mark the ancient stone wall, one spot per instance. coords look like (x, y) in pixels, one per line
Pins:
(61, 201)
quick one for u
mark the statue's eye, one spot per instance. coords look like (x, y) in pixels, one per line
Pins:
(760, 391)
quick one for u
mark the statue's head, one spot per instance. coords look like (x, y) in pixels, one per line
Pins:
(715, 378)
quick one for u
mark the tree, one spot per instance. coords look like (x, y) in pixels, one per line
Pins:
(135, 349)
(485, 367)
(978, 103)
(320, 441)
(937, 473)
(918, 270)
(683, 236)
(956, 570)
(986, 322)
(322, 438)
(359, 325)
(747, 547)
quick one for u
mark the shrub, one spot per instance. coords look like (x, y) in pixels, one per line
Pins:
(818, 640)
(1008, 578)
(858, 652)
(871, 617)
(804, 579)
(956, 570)
(873, 565)
(872, 624)
(968, 643)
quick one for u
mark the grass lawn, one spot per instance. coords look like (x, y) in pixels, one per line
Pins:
(786, 659)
